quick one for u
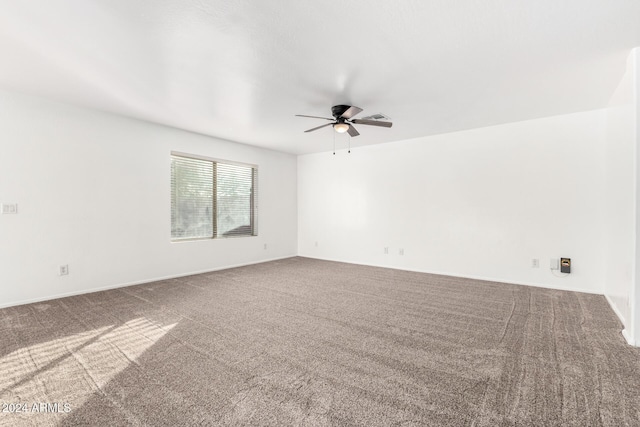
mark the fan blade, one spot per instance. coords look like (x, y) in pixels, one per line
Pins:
(372, 123)
(352, 131)
(314, 117)
(352, 111)
(311, 130)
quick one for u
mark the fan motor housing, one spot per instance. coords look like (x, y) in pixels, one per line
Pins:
(338, 110)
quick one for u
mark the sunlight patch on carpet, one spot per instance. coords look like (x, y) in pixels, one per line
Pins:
(72, 368)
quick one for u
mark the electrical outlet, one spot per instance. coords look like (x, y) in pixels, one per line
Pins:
(316, 244)
(265, 246)
(535, 263)
(554, 264)
(9, 208)
(63, 270)
(401, 251)
(386, 250)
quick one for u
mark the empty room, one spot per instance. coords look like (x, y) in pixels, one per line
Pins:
(337, 213)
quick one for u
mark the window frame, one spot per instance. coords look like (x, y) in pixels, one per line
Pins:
(253, 200)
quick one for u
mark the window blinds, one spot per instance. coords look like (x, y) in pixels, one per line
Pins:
(235, 207)
(212, 199)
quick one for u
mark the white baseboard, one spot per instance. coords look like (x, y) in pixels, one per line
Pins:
(625, 333)
(616, 311)
(444, 273)
(628, 337)
(138, 282)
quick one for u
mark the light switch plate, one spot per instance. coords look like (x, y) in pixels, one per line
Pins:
(8, 208)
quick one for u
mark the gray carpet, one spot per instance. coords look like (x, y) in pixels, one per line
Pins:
(314, 343)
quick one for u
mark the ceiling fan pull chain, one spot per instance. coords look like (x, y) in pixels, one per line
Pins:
(334, 143)
(349, 144)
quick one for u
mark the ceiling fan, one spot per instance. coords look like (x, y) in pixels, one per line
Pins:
(343, 120)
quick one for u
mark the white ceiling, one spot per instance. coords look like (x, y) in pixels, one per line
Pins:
(240, 69)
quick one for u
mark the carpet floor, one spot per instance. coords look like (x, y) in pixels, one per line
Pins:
(304, 342)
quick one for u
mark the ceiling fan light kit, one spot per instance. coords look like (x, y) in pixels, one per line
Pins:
(341, 127)
(343, 120)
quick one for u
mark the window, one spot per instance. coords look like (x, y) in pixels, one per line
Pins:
(212, 198)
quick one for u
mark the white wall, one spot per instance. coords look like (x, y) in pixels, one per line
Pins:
(93, 192)
(635, 293)
(621, 143)
(481, 203)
